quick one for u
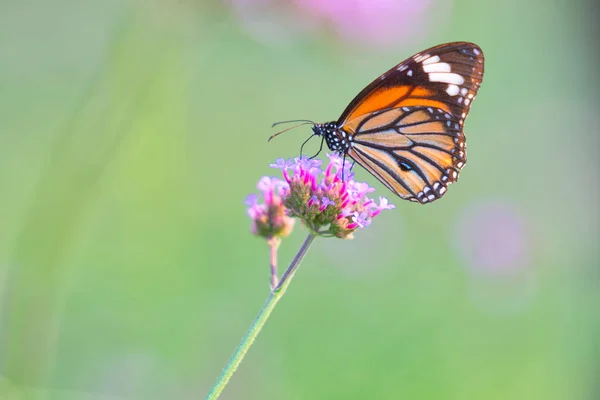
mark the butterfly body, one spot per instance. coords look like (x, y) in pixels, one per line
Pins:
(406, 127)
(337, 139)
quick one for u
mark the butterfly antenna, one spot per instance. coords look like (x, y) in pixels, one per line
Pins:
(306, 122)
(292, 120)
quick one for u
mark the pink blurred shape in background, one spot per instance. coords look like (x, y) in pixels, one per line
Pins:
(367, 23)
(492, 237)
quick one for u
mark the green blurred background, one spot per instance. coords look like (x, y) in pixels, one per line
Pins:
(131, 132)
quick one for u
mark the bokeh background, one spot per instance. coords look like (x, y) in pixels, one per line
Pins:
(132, 131)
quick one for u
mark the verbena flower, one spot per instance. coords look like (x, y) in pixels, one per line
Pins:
(328, 200)
(269, 218)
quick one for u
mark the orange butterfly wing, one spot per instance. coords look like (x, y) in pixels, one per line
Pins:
(407, 125)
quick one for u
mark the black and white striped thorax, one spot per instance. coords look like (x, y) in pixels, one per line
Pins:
(336, 138)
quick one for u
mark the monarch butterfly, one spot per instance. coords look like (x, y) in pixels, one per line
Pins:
(406, 127)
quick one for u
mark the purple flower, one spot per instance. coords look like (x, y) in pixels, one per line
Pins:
(282, 164)
(251, 199)
(328, 205)
(269, 219)
(327, 200)
(360, 220)
(383, 205)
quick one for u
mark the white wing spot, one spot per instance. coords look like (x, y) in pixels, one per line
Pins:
(447, 77)
(452, 90)
(442, 190)
(409, 73)
(476, 52)
(467, 101)
(464, 91)
(431, 197)
(438, 67)
(426, 189)
(431, 60)
(402, 67)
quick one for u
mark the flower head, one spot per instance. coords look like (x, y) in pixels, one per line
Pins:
(269, 218)
(326, 199)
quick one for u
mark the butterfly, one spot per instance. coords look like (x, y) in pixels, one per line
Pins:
(406, 127)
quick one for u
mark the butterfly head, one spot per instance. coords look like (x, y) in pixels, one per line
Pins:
(337, 139)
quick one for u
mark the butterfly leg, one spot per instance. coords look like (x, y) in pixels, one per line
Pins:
(320, 148)
(306, 141)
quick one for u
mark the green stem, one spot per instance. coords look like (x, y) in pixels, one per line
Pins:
(273, 246)
(258, 323)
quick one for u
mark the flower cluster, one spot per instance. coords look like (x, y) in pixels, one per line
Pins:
(327, 200)
(269, 218)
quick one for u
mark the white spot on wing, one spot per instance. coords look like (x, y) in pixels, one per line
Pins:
(438, 67)
(431, 60)
(452, 90)
(409, 73)
(447, 77)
